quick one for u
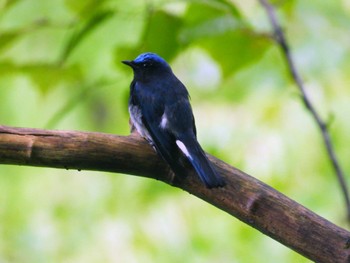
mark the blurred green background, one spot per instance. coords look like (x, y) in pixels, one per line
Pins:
(60, 69)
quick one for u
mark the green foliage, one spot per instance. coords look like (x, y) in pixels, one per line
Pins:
(80, 33)
(85, 9)
(60, 68)
(7, 38)
(159, 34)
(221, 30)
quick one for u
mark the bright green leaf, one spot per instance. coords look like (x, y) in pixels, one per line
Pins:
(43, 75)
(84, 8)
(223, 34)
(161, 34)
(79, 34)
(7, 38)
(48, 75)
(235, 50)
(201, 11)
(8, 4)
(7, 67)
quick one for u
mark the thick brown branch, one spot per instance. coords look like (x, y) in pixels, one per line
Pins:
(244, 197)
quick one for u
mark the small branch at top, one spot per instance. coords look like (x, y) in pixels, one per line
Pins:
(321, 124)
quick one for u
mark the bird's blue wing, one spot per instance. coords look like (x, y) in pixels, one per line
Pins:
(183, 129)
(178, 134)
(162, 139)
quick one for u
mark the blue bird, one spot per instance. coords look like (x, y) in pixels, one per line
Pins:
(160, 111)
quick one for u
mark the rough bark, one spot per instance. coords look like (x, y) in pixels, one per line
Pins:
(244, 197)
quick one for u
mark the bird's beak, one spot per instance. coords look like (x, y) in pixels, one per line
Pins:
(129, 63)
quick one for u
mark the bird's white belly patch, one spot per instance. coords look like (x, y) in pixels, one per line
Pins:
(183, 148)
(136, 115)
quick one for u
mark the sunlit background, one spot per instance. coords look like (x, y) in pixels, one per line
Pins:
(60, 69)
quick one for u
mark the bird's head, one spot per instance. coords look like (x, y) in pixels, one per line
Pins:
(148, 63)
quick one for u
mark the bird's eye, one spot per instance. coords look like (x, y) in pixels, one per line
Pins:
(147, 64)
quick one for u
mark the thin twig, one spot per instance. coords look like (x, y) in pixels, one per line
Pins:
(281, 40)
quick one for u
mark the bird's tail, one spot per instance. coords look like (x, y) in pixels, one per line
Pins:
(196, 156)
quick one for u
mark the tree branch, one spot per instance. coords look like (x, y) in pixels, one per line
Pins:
(281, 40)
(244, 197)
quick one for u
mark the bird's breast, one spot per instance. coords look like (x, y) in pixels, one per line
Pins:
(136, 119)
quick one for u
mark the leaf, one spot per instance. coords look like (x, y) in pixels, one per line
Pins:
(235, 50)
(208, 28)
(231, 7)
(160, 35)
(224, 35)
(200, 11)
(287, 7)
(44, 75)
(49, 75)
(81, 33)
(8, 4)
(84, 8)
(7, 67)
(7, 38)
